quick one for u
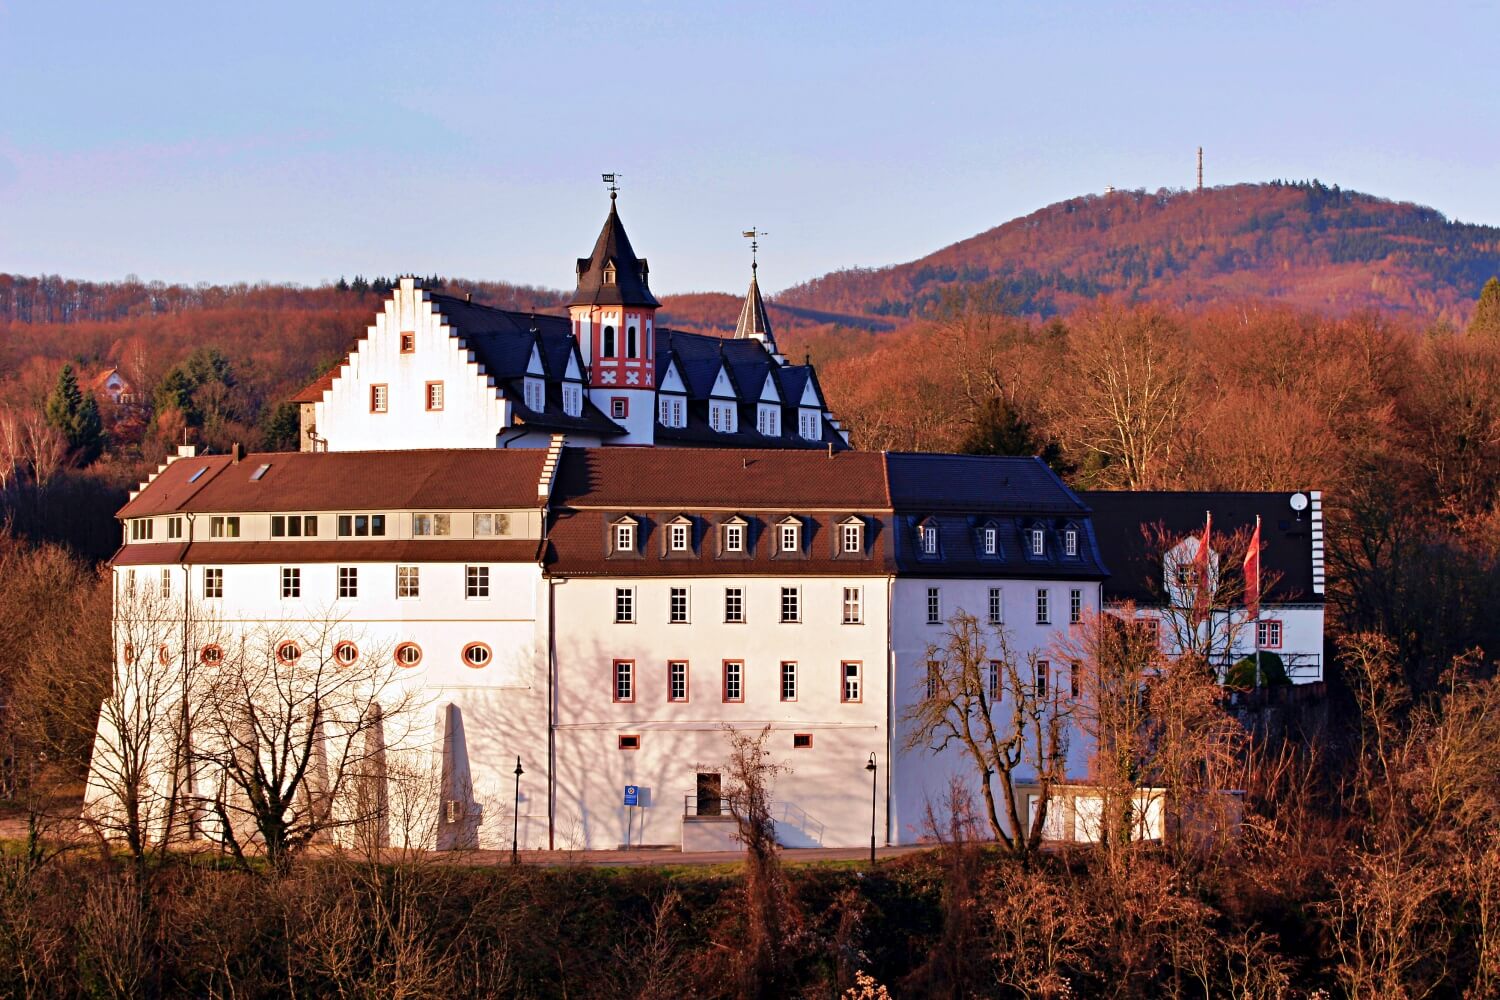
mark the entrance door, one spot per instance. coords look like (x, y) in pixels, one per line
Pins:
(710, 802)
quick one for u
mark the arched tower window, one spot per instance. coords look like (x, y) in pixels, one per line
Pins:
(608, 349)
(632, 343)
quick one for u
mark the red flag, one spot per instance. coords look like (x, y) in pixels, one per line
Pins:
(1203, 595)
(1252, 572)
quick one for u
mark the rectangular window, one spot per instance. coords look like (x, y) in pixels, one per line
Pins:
(734, 604)
(1043, 613)
(997, 606)
(408, 581)
(1043, 668)
(408, 343)
(677, 420)
(802, 741)
(624, 680)
(140, 529)
(279, 526)
(428, 525)
(1075, 678)
(213, 581)
(851, 672)
(174, 527)
(360, 525)
(348, 581)
(788, 681)
(929, 540)
(789, 538)
(166, 583)
(791, 604)
(1038, 541)
(678, 605)
(379, 398)
(630, 742)
(624, 538)
(934, 606)
(1070, 542)
(664, 412)
(853, 543)
(534, 392)
(309, 525)
(679, 538)
(934, 674)
(224, 527)
(619, 408)
(572, 396)
(677, 680)
(992, 680)
(991, 541)
(476, 581)
(734, 680)
(624, 604)
(1268, 634)
(734, 538)
(488, 525)
(1075, 606)
(291, 582)
(434, 396)
(854, 606)
(1152, 628)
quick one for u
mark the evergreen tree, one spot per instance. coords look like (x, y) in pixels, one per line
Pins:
(281, 429)
(75, 415)
(1486, 321)
(1003, 430)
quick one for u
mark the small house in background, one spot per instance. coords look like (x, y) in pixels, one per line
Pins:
(110, 384)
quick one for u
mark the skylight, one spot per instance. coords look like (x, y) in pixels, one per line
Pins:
(197, 475)
(260, 472)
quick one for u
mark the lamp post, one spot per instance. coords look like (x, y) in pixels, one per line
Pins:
(515, 827)
(872, 768)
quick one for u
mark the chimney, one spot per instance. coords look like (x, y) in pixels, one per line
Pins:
(236, 452)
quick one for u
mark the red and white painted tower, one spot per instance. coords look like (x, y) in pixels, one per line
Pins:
(614, 321)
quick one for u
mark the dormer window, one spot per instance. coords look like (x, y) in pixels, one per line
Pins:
(625, 536)
(679, 536)
(1038, 542)
(535, 392)
(807, 426)
(929, 539)
(852, 537)
(991, 540)
(734, 536)
(1070, 542)
(791, 537)
(609, 274)
(572, 397)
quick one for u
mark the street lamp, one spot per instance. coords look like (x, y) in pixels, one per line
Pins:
(515, 827)
(872, 768)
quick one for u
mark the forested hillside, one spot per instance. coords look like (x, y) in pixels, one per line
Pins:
(1303, 244)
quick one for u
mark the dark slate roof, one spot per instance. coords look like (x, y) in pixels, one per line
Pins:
(613, 247)
(753, 320)
(930, 483)
(1123, 518)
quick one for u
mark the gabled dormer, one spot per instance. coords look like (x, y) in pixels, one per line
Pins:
(534, 383)
(679, 540)
(1036, 540)
(790, 538)
(768, 408)
(927, 541)
(1072, 540)
(987, 541)
(723, 401)
(852, 538)
(624, 539)
(734, 540)
(572, 384)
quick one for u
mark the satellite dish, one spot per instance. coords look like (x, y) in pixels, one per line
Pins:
(1299, 502)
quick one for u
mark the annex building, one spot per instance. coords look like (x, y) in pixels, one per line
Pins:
(463, 515)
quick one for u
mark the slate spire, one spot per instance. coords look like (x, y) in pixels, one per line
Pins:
(613, 275)
(755, 323)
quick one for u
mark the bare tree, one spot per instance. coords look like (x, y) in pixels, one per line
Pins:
(996, 708)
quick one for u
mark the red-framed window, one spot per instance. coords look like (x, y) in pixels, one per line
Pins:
(734, 680)
(289, 652)
(408, 342)
(629, 741)
(380, 397)
(677, 680)
(1268, 633)
(408, 654)
(624, 680)
(346, 653)
(434, 396)
(802, 741)
(619, 407)
(852, 681)
(477, 654)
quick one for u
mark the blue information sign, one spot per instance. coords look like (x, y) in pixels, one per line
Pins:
(632, 795)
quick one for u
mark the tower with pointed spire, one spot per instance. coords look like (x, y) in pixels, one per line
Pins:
(614, 321)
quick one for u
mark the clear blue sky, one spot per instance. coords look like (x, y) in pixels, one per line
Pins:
(276, 141)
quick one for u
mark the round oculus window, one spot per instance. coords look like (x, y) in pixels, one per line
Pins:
(408, 654)
(477, 654)
(213, 653)
(346, 653)
(288, 652)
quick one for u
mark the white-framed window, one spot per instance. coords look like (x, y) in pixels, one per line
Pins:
(1043, 671)
(291, 582)
(789, 538)
(213, 581)
(677, 680)
(476, 581)
(854, 605)
(992, 680)
(788, 680)
(348, 581)
(408, 581)
(768, 420)
(721, 417)
(991, 541)
(1075, 606)
(997, 606)
(224, 527)
(852, 537)
(165, 587)
(619, 407)
(734, 604)
(534, 392)
(434, 396)
(678, 606)
(934, 606)
(1070, 542)
(1038, 541)
(429, 525)
(671, 411)
(572, 397)
(791, 604)
(491, 525)
(624, 604)
(1268, 634)
(294, 525)
(734, 538)
(929, 539)
(380, 396)
(734, 680)
(678, 538)
(807, 425)
(140, 529)
(1043, 612)
(851, 671)
(361, 525)
(624, 680)
(174, 527)
(624, 538)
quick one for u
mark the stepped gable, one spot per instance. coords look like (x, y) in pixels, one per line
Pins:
(1121, 518)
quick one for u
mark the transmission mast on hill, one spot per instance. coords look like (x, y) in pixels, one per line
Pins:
(1200, 168)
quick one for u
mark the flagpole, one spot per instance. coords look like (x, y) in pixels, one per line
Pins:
(1255, 625)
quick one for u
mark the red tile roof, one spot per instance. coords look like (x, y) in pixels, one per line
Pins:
(313, 391)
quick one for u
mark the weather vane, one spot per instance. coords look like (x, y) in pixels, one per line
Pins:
(614, 188)
(754, 235)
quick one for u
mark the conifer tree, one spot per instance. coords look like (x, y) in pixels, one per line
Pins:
(1486, 321)
(75, 415)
